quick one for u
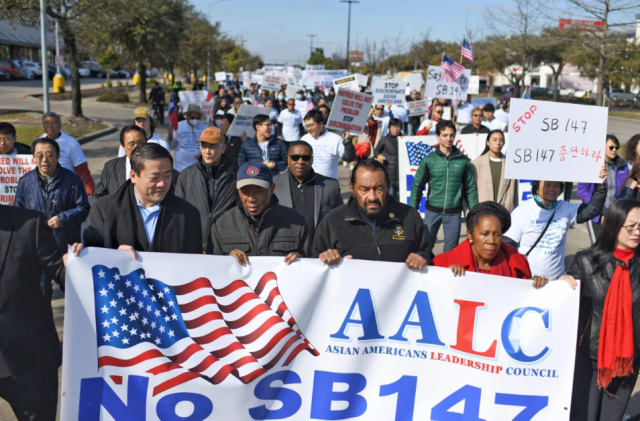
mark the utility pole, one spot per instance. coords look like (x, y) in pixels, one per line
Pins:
(348, 28)
(43, 49)
(311, 48)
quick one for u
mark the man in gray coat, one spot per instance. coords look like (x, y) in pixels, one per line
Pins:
(303, 189)
(258, 225)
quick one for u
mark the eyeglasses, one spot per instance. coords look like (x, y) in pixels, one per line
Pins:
(379, 109)
(5, 141)
(40, 157)
(311, 126)
(477, 115)
(438, 112)
(632, 228)
(305, 158)
(614, 148)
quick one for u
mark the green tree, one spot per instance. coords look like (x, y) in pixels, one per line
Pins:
(556, 47)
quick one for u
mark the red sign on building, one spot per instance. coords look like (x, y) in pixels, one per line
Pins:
(590, 25)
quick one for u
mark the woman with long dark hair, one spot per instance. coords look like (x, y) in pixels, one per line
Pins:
(607, 357)
(489, 173)
(632, 150)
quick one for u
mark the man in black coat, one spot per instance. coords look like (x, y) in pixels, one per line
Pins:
(30, 351)
(386, 151)
(116, 171)
(302, 189)
(143, 214)
(210, 183)
(372, 225)
(476, 125)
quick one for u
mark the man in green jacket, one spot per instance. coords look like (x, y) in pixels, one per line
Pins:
(445, 169)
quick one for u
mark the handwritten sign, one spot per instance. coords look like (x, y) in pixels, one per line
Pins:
(350, 111)
(441, 85)
(271, 82)
(550, 139)
(12, 168)
(419, 107)
(313, 78)
(389, 90)
(349, 82)
(244, 117)
(221, 76)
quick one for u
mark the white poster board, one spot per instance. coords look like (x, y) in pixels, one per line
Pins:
(441, 85)
(389, 90)
(419, 107)
(414, 81)
(313, 78)
(244, 117)
(364, 340)
(350, 111)
(272, 82)
(314, 67)
(363, 80)
(292, 90)
(348, 82)
(191, 97)
(207, 110)
(221, 76)
(558, 140)
(474, 85)
(12, 168)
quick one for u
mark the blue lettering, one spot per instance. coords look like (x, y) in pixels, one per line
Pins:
(95, 392)
(323, 395)
(291, 400)
(363, 303)
(166, 408)
(420, 308)
(511, 334)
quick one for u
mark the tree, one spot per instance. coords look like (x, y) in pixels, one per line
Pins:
(556, 49)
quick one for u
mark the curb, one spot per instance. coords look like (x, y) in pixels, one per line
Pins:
(93, 136)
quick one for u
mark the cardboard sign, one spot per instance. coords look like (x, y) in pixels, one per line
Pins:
(350, 111)
(220, 76)
(244, 117)
(313, 78)
(191, 97)
(12, 168)
(482, 101)
(388, 90)
(558, 140)
(441, 85)
(419, 107)
(363, 80)
(349, 82)
(272, 82)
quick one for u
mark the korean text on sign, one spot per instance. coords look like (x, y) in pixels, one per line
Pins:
(566, 140)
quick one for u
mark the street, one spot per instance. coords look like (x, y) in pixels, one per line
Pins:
(101, 150)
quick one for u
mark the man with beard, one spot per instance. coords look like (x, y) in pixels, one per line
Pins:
(372, 225)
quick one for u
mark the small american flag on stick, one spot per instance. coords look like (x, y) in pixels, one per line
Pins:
(452, 67)
(467, 51)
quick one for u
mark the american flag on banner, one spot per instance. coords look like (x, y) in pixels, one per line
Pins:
(417, 151)
(467, 51)
(452, 67)
(193, 330)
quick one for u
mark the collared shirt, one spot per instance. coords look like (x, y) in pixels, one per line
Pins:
(149, 218)
(127, 169)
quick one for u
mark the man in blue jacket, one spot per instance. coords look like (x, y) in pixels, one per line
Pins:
(264, 148)
(56, 192)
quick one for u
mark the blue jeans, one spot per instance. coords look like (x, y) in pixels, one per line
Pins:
(452, 225)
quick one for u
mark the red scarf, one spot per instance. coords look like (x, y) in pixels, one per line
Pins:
(615, 349)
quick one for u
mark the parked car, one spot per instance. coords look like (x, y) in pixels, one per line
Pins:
(84, 72)
(507, 97)
(4, 75)
(10, 68)
(94, 69)
(124, 74)
(151, 73)
(34, 70)
(539, 90)
(22, 70)
(617, 95)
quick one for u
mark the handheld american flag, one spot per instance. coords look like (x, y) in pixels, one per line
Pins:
(193, 330)
(467, 51)
(417, 151)
(452, 67)
(172, 113)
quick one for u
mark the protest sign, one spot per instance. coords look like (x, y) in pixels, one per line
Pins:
(419, 107)
(292, 90)
(350, 111)
(413, 81)
(314, 67)
(558, 140)
(191, 97)
(362, 79)
(199, 337)
(348, 82)
(207, 111)
(447, 111)
(388, 90)
(221, 76)
(272, 82)
(441, 85)
(313, 78)
(474, 85)
(482, 101)
(12, 168)
(244, 117)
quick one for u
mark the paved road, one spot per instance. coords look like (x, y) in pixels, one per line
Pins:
(101, 150)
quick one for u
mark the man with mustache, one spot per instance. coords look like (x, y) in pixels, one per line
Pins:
(372, 225)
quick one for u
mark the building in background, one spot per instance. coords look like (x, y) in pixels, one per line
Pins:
(20, 42)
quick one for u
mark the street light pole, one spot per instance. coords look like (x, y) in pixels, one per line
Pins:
(311, 47)
(43, 48)
(349, 28)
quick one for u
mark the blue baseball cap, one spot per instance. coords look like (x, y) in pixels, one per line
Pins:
(254, 174)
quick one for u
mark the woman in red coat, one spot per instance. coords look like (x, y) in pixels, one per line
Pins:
(483, 251)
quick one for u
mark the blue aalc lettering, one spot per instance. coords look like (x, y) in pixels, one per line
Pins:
(291, 400)
(511, 334)
(323, 395)
(166, 408)
(420, 309)
(96, 393)
(363, 303)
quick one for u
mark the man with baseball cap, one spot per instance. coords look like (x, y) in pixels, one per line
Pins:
(142, 119)
(258, 225)
(185, 139)
(209, 184)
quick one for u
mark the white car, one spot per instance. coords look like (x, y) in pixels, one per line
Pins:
(84, 72)
(33, 69)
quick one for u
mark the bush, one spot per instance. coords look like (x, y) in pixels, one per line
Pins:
(120, 84)
(151, 80)
(113, 96)
(61, 90)
(126, 83)
(109, 84)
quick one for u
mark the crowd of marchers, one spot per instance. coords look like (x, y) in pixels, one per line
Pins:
(277, 194)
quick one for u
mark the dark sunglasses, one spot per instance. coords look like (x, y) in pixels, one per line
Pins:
(477, 115)
(438, 112)
(305, 158)
(611, 148)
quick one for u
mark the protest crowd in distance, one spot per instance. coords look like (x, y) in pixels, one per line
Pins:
(250, 170)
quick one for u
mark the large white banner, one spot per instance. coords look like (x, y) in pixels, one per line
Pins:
(202, 338)
(564, 141)
(12, 168)
(244, 118)
(441, 85)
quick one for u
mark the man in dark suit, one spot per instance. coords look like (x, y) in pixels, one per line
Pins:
(30, 351)
(145, 215)
(116, 171)
(302, 189)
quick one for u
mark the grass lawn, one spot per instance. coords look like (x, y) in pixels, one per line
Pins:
(626, 114)
(29, 126)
